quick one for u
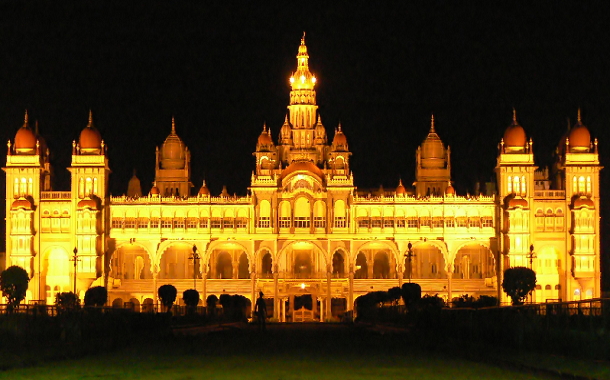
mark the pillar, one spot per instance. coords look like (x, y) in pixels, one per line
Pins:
(400, 276)
(253, 279)
(350, 300)
(291, 306)
(275, 295)
(155, 296)
(283, 309)
(329, 296)
(449, 290)
(204, 280)
(321, 309)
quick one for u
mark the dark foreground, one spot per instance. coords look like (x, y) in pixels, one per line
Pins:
(289, 351)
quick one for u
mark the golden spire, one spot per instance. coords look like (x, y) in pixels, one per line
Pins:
(339, 126)
(303, 39)
(514, 116)
(265, 126)
(26, 116)
(90, 117)
(173, 125)
(432, 125)
(579, 114)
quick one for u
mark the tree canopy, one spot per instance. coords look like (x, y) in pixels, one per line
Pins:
(518, 283)
(14, 284)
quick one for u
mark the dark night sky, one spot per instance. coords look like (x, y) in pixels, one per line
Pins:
(383, 68)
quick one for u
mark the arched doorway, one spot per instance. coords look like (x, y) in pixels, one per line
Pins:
(243, 269)
(176, 263)
(381, 265)
(267, 265)
(117, 303)
(224, 266)
(135, 304)
(338, 265)
(427, 262)
(302, 264)
(148, 305)
(131, 262)
(362, 268)
(57, 270)
(473, 261)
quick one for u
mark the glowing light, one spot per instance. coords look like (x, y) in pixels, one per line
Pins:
(303, 78)
(302, 286)
(291, 79)
(313, 79)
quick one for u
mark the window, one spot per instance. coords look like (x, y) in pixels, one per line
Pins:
(117, 223)
(437, 223)
(166, 223)
(581, 185)
(517, 188)
(241, 223)
(589, 185)
(412, 222)
(376, 222)
(216, 223)
(130, 223)
(191, 223)
(339, 222)
(400, 223)
(301, 222)
(179, 223)
(510, 184)
(203, 222)
(284, 222)
(388, 223)
(263, 222)
(425, 222)
(227, 223)
(488, 222)
(450, 222)
(363, 222)
(142, 223)
(319, 222)
(474, 222)
(154, 222)
(462, 222)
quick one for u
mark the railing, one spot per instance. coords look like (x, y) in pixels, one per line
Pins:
(56, 195)
(556, 194)
(428, 199)
(179, 200)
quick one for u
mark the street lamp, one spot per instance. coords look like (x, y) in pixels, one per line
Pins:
(195, 257)
(76, 260)
(410, 255)
(531, 256)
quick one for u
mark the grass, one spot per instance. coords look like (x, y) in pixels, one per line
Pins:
(284, 352)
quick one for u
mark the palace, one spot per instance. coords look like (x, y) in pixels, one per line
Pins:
(304, 229)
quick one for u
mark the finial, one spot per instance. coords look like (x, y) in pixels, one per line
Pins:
(8, 144)
(286, 119)
(579, 114)
(319, 120)
(134, 172)
(265, 126)
(303, 39)
(26, 116)
(90, 117)
(173, 125)
(339, 126)
(400, 182)
(514, 116)
(432, 124)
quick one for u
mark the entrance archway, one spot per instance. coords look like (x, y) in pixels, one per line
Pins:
(56, 268)
(362, 268)
(381, 265)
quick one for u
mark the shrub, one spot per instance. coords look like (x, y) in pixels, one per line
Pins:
(394, 295)
(518, 283)
(14, 284)
(67, 300)
(167, 294)
(411, 294)
(191, 298)
(96, 296)
(211, 302)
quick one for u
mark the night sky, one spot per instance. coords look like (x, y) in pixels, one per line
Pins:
(382, 69)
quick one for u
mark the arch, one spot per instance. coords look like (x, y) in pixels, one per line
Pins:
(381, 245)
(267, 265)
(135, 304)
(117, 303)
(56, 271)
(224, 244)
(303, 264)
(319, 209)
(175, 260)
(302, 207)
(281, 256)
(381, 265)
(361, 266)
(148, 305)
(338, 264)
(473, 261)
(265, 209)
(428, 261)
(224, 265)
(243, 271)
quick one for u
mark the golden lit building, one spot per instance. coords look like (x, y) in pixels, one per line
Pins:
(303, 228)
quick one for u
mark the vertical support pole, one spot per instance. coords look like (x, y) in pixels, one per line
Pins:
(328, 296)
(253, 303)
(275, 295)
(350, 301)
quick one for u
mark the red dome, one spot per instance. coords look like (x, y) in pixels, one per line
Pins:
(339, 138)
(517, 202)
(204, 190)
(515, 136)
(307, 166)
(154, 191)
(25, 138)
(400, 190)
(580, 136)
(90, 138)
(449, 190)
(21, 203)
(87, 203)
(265, 139)
(584, 202)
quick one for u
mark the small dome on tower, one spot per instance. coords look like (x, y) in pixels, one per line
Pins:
(583, 201)
(339, 140)
(154, 191)
(400, 189)
(580, 137)
(224, 193)
(204, 191)
(90, 140)
(173, 151)
(514, 136)
(25, 139)
(285, 131)
(449, 191)
(265, 138)
(134, 190)
(304, 167)
(432, 149)
(22, 203)
(320, 131)
(87, 203)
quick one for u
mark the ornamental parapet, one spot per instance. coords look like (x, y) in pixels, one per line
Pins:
(123, 199)
(422, 200)
(55, 195)
(549, 194)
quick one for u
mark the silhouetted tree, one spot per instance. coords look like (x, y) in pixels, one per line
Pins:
(191, 299)
(14, 284)
(211, 302)
(67, 300)
(518, 283)
(167, 294)
(411, 294)
(96, 296)
(394, 295)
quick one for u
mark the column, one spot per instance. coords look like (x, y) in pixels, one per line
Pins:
(283, 309)
(253, 278)
(275, 296)
(155, 296)
(321, 309)
(350, 300)
(204, 281)
(400, 275)
(291, 306)
(329, 296)
(449, 290)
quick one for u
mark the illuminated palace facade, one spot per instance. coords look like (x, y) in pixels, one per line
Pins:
(304, 228)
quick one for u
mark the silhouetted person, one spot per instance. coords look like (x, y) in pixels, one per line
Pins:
(261, 311)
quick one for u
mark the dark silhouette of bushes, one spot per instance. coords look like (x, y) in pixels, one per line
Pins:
(96, 296)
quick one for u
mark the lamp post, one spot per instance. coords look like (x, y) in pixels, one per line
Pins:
(195, 257)
(531, 256)
(410, 255)
(76, 260)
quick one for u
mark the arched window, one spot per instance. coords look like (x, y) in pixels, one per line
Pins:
(581, 185)
(589, 185)
(510, 184)
(574, 185)
(23, 189)
(30, 187)
(16, 188)
(517, 188)
(88, 186)
(523, 185)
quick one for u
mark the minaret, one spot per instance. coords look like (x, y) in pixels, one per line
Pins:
(303, 95)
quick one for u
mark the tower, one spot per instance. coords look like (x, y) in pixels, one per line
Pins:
(433, 170)
(173, 167)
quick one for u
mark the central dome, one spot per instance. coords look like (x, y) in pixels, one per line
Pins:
(302, 166)
(90, 140)
(432, 149)
(173, 151)
(25, 139)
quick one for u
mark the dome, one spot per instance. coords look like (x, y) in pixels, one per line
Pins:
(87, 203)
(450, 190)
(306, 166)
(400, 189)
(21, 203)
(173, 155)
(264, 138)
(514, 136)
(583, 202)
(517, 202)
(25, 139)
(224, 193)
(155, 191)
(134, 190)
(339, 140)
(432, 150)
(204, 191)
(286, 131)
(90, 140)
(320, 131)
(580, 138)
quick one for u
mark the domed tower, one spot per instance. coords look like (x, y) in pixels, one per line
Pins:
(173, 166)
(338, 155)
(90, 200)
(266, 153)
(134, 190)
(433, 170)
(25, 168)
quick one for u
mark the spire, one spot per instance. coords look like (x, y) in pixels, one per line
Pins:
(579, 115)
(173, 125)
(90, 117)
(432, 125)
(26, 117)
(339, 126)
(514, 116)
(303, 39)
(265, 126)
(319, 119)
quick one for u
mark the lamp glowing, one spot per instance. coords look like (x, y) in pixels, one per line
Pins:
(302, 286)
(313, 80)
(303, 78)
(291, 79)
